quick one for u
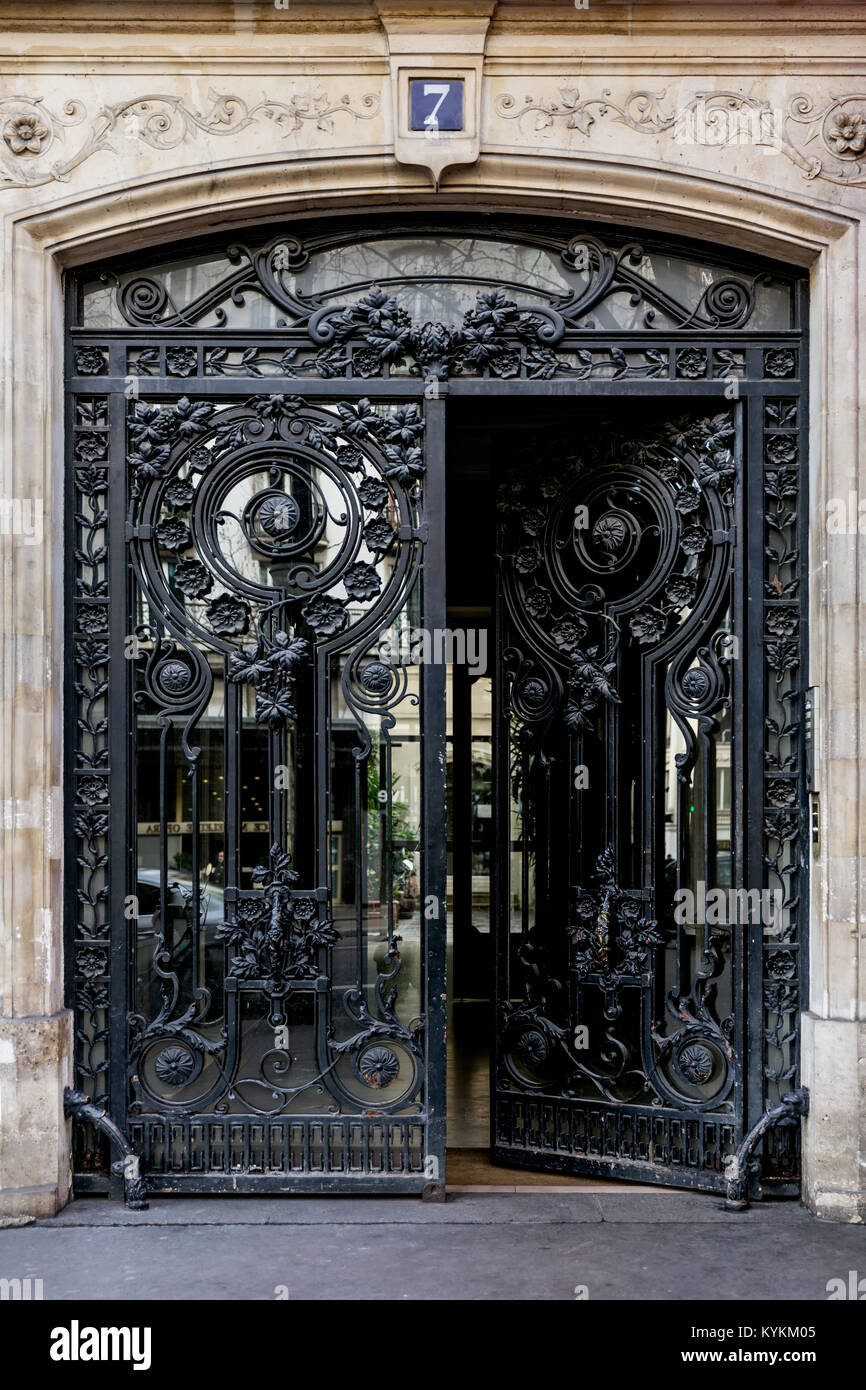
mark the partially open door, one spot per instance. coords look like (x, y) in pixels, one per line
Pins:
(621, 754)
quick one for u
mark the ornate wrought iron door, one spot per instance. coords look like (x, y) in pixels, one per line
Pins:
(256, 881)
(266, 1012)
(632, 919)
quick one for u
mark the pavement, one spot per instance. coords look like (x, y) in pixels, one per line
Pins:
(559, 1245)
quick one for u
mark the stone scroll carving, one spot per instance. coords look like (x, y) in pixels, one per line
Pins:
(826, 142)
(806, 133)
(29, 131)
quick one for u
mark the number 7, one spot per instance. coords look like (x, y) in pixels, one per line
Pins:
(430, 90)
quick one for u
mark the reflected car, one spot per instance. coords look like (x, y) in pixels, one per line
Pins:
(176, 933)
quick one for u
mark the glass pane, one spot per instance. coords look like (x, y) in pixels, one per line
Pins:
(436, 278)
(183, 281)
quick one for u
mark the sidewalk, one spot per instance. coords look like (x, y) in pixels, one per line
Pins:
(476, 1245)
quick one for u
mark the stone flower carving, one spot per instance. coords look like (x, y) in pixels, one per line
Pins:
(26, 133)
(163, 122)
(847, 136)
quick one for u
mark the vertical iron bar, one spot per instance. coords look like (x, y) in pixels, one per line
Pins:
(755, 701)
(433, 789)
(120, 831)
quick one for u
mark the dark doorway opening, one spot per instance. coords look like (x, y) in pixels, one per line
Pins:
(475, 440)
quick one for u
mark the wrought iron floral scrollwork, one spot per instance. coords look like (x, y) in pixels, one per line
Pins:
(374, 335)
(783, 756)
(609, 918)
(490, 336)
(630, 500)
(699, 1053)
(353, 472)
(589, 684)
(91, 774)
(271, 666)
(192, 438)
(328, 514)
(279, 933)
(537, 1052)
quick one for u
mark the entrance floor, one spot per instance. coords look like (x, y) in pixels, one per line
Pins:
(475, 1246)
(468, 1117)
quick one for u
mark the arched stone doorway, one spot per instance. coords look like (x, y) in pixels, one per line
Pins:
(79, 227)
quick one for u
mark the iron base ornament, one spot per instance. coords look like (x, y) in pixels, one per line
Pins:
(78, 1106)
(791, 1106)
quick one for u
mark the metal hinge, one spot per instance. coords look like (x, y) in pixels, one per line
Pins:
(78, 1106)
(738, 1171)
